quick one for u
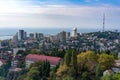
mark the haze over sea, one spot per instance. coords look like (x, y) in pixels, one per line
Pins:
(46, 31)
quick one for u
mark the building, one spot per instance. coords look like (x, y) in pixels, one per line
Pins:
(0, 44)
(25, 35)
(117, 63)
(14, 63)
(2, 62)
(4, 43)
(119, 55)
(31, 35)
(108, 73)
(6, 55)
(62, 36)
(52, 38)
(74, 32)
(67, 35)
(32, 58)
(21, 34)
(15, 69)
(15, 37)
(40, 35)
(35, 35)
(15, 50)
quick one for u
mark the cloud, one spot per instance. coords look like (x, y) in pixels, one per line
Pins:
(56, 15)
(91, 0)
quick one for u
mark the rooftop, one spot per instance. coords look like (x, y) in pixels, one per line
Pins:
(36, 58)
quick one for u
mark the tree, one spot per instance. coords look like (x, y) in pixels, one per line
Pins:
(21, 52)
(73, 68)
(105, 61)
(22, 77)
(21, 64)
(62, 71)
(86, 61)
(37, 71)
(68, 78)
(116, 76)
(2, 78)
(46, 68)
(16, 75)
(74, 60)
(85, 76)
(13, 75)
(52, 75)
(33, 74)
(72, 72)
(43, 68)
(97, 72)
(4, 69)
(107, 77)
(67, 58)
(35, 51)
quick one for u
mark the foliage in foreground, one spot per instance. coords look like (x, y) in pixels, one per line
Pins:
(84, 66)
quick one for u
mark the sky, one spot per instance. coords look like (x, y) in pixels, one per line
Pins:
(84, 14)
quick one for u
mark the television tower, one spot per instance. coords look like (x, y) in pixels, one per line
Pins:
(103, 22)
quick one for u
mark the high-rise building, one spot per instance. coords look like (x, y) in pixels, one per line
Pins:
(62, 36)
(74, 32)
(40, 35)
(67, 35)
(21, 35)
(25, 35)
(15, 37)
(35, 35)
(31, 35)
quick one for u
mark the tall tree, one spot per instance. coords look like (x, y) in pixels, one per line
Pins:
(97, 72)
(33, 74)
(74, 63)
(67, 58)
(74, 59)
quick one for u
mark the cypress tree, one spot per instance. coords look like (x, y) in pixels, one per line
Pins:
(67, 58)
(98, 72)
(74, 59)
(74, 63)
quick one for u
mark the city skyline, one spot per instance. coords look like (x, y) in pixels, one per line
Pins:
(59, 13)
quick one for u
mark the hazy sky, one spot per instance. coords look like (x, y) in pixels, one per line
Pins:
(59, 13)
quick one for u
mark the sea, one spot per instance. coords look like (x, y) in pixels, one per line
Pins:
(8, 33)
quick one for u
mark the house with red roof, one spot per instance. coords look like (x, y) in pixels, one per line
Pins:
(32, 58)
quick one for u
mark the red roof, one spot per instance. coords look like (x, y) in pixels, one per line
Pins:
(36, 58)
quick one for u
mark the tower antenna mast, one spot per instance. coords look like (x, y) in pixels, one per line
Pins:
(103, 22)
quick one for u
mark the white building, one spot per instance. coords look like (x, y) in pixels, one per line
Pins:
(35, 35)
(74, 32)
(119, 55)
(15, 50)
(14, 63)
